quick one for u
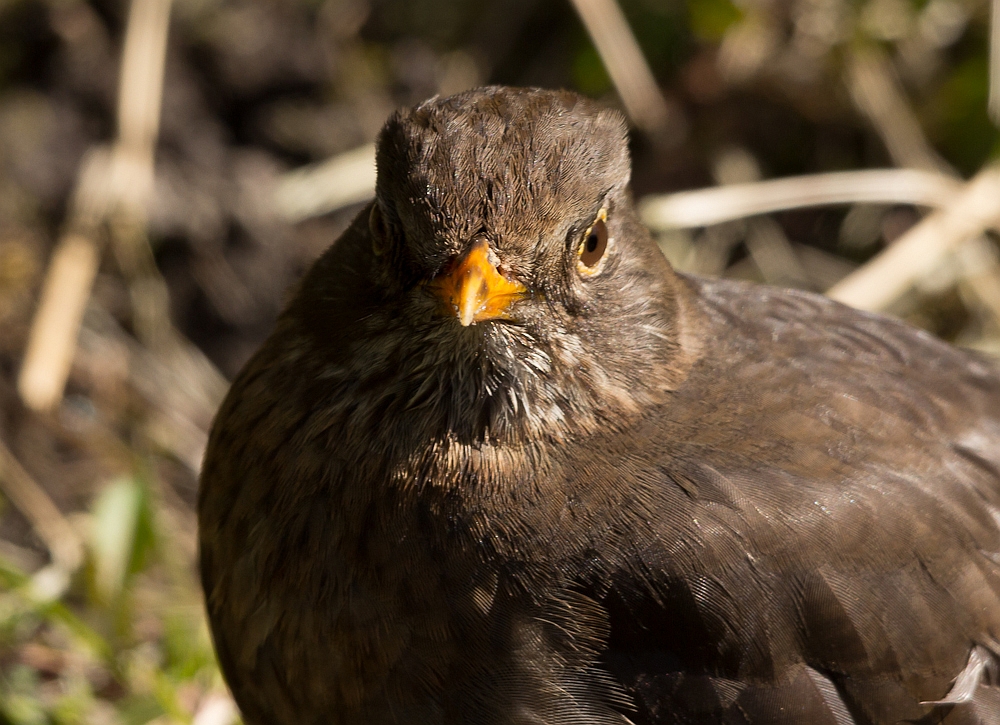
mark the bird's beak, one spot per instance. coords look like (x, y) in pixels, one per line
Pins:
(472, 288)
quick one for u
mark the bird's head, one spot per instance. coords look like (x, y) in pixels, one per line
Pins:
(504, 285)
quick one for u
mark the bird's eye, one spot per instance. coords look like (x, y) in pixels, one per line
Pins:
(594, 245)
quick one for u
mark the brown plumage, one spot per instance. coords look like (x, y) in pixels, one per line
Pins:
(498, 463)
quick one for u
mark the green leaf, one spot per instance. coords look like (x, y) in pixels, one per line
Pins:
(117, 516)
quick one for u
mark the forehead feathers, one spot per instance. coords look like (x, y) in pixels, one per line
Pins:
(514, 164)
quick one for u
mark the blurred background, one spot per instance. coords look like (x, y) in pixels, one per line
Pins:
(169, 169)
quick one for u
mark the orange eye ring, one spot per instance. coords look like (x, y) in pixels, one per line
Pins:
(594, 245)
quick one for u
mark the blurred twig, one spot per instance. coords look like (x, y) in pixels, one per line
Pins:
(183, 389)
(140, 96)
(180, 386)
(981, 275)
(627, 67)
(115, 186)
(877, 93)
(54, 331)
(64, 544)
(882, 280)
(320, 188)
(774, 255)
(725, 203)
(140, 93)
(52, 340)
(769, 248)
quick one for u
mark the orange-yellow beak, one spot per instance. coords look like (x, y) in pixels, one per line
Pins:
(474, 290)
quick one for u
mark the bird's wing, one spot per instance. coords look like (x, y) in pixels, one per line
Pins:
(824, 536)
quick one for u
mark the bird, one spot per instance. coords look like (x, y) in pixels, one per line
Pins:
(499, 462)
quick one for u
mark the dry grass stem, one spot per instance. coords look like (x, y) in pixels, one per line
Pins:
(882, 280)
(774, 255)
(625, 64)
(140, 94)
(981, 276)
(313, 190)
(726, 203)
(877, 93)
(181, 388)
(67, 284)
(52, 340)
(64, 544)
(120, 184)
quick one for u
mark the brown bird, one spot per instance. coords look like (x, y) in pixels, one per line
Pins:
(498, 463)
